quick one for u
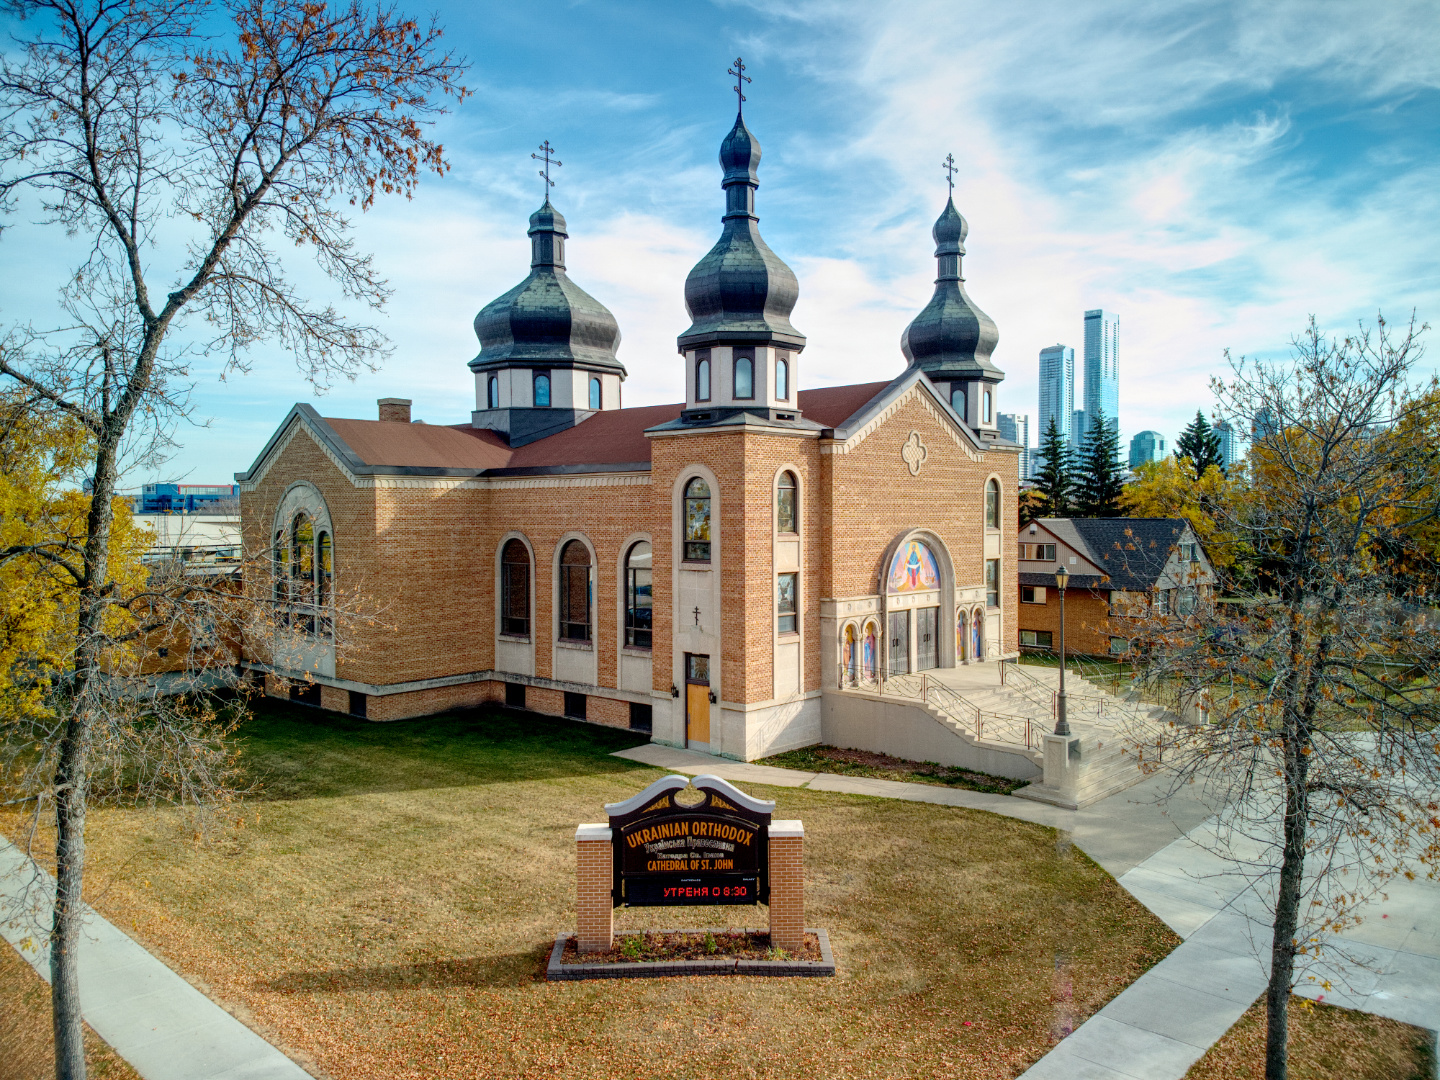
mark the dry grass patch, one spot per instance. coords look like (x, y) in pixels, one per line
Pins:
(1325, 1043)
(834, 759)
(388, 913)
(27, 1045)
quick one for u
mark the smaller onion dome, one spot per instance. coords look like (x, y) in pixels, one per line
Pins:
(547, 320)
(951, 338)
(741, 292)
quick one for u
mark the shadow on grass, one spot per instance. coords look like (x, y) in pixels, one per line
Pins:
(297, 752)
(500, 970)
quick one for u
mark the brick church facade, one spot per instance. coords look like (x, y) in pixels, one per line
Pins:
(706, 570)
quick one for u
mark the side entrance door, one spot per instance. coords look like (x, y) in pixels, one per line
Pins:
(697, 698)
(898, 662)
(927, 638)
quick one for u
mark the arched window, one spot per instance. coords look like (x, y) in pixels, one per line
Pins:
(977, 635)
(324, 579)
(702, 375)
(637, 596)
(515, 589)
(594, 393)
(302, 570)
(992, 504)
(989, 400)
(869, 651)
(850, 657)
(542, 390)
(782, 379)
(962, 624)
(957, 401)
(744, 375)
(575, 592)
(697, 521)
(492, 392)
(786, 516)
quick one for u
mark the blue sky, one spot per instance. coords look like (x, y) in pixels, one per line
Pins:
(1214, 173)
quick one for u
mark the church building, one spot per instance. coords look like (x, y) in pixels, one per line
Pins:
(711, 571)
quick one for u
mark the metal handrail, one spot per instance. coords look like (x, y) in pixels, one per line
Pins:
(991, 726)
(1027, 686)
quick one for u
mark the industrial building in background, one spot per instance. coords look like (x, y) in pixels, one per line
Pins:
(187, 499)
(1147, 446)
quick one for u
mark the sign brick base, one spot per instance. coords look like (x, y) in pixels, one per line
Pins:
(787, 885)
(594, 909)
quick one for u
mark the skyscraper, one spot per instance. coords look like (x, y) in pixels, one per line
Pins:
(1016, 428)
(1147, 446)
(1229, 445)
(1101, 389)
(1057, 390)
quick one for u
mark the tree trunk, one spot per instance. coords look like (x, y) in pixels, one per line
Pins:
(72, 782)
(1287, 915)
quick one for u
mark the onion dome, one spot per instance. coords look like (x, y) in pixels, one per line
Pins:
(547, 321)
(741, 293)
(951, 338)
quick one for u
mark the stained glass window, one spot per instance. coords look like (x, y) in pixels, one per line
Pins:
(542, 391)
(785, 513)
(785, 603)
(697, 521)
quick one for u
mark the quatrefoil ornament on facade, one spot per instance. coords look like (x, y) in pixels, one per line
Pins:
(913, 453)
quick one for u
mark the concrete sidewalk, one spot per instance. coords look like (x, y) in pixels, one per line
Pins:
(150, 1016)
(1165, 1021)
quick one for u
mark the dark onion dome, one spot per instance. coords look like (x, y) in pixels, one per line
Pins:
(951, 338)
(547, 320)
(740, 293)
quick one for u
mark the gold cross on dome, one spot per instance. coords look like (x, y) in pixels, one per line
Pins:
(949, 166)
(547, 150)
(740, 78)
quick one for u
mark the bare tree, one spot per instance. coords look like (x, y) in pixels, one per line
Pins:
(1321, 746)
(142, 137)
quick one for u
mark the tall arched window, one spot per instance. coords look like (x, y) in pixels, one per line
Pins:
(702, 375)
(697, 521)
(515, 589)
(782, 378)
(850, 656)
(594, 393)
(302, 571)
(744, 375)
(992, 504)
(575, 592)
(492, 392)
(786, 516)
(637, 596)
(542, 390)
(989, 405)
(957, 401)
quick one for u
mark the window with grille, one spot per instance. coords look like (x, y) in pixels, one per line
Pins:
(575, 598)
(638, 608)
(515, 589)
(785, 603)
(697, 521)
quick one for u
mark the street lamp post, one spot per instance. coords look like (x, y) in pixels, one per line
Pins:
(1062, 726)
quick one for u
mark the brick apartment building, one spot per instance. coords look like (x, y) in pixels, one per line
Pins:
(1120, 569)
(701, 570)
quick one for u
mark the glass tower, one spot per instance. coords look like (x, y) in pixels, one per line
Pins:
(1147, 446)
(1057, 390)
(1016, 428)
(1101, 393)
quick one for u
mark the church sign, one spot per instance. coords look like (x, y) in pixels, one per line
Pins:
(715, 851)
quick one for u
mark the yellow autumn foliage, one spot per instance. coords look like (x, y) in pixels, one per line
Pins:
(42, 536)
(1169, 489)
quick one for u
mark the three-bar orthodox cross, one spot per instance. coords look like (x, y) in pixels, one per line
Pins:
(949, 166)
(547, 150)
(740, 79)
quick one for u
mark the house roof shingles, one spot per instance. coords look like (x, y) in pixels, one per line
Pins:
(1132, 551)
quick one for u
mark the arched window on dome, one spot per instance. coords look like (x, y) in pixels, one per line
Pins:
(744, 374)
(515, 589)
(782, 378)
(492, 392)
(638, 605)
(594, 392)
(787, 519)
(957, 401)
(697, 521)
(702, 375)
(575, 592)
(986, 414)
(992, 504)
(542, 390)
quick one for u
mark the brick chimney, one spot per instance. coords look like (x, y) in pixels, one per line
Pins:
(395, 410)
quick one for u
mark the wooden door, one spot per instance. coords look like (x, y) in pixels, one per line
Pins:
(697, 699)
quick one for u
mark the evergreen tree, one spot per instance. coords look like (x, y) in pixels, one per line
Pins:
(1055, 478)
(1098, 485)
(1201, 444)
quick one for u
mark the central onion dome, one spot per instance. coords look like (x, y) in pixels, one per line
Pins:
(547, 321)
(951, 338)
(741, 293)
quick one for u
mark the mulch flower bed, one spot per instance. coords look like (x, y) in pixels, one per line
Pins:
(660, 947)
(832, 759)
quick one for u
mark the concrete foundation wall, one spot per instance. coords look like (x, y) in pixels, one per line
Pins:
(890, 726)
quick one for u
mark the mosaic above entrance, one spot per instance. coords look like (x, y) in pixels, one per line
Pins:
(913, 569)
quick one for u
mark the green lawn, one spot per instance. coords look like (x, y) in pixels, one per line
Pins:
(386, 908)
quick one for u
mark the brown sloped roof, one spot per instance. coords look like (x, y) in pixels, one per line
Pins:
(833, 405)
(378, 442)
(614, 437)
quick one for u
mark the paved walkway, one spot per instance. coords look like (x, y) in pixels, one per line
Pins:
(154, 1019)
(1164, 1021)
